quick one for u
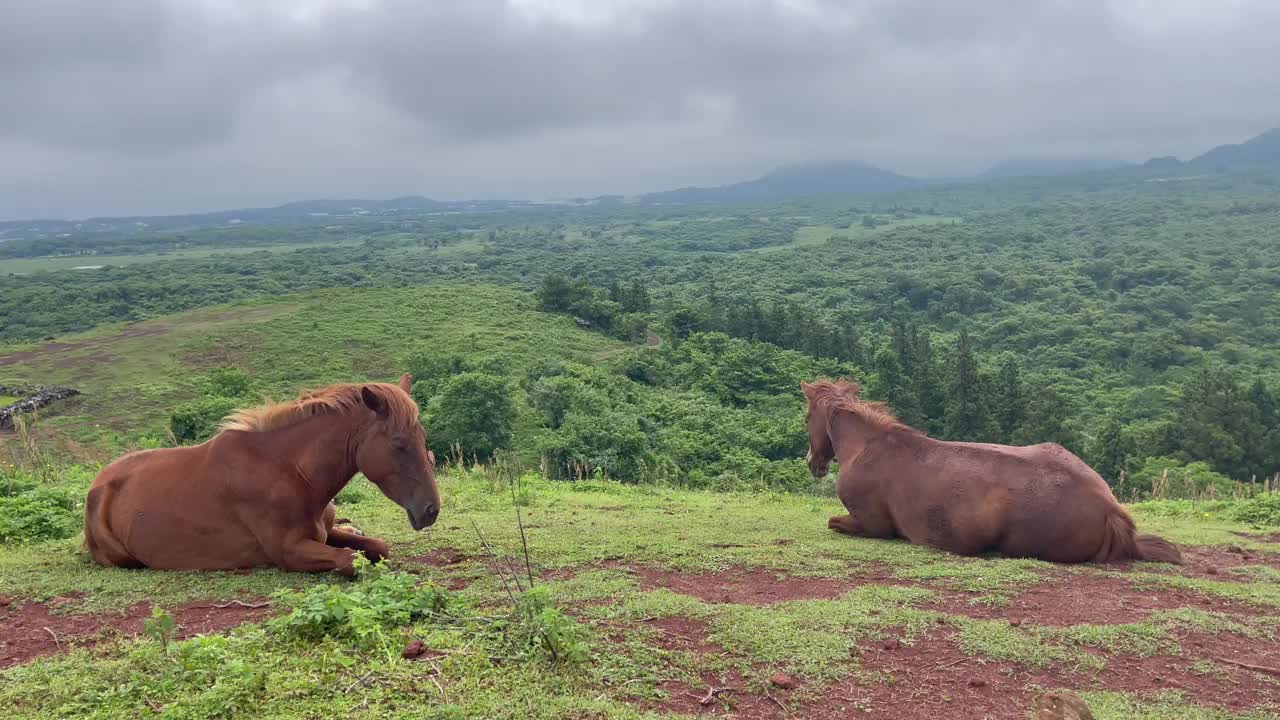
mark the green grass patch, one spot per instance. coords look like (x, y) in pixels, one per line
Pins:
(992, 581)
(89, 263)
(998, 640)
(1169, 705)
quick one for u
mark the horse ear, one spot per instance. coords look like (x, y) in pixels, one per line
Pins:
(406, 382)
(373, 401)
(806, 388)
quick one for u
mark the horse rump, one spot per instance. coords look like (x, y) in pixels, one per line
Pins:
(1120, 542)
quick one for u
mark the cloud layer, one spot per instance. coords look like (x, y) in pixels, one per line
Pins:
(123, 106)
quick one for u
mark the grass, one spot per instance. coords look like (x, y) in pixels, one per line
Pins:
(133, 376)
(256, 672)
(8, 400)
(87, 263)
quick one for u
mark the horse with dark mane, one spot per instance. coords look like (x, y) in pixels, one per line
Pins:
(1037, 501)
(260, 492)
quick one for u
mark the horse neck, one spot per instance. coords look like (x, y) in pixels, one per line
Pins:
(850, 434)
(323, 449)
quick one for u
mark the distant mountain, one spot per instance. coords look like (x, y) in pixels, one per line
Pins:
(1262, 151)
(1050, 167)
(794, 181)
(1165, 163)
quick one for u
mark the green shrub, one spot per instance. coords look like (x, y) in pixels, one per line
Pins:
(38, 514)
(1168, 478)
(1261, 509)
(365, 612)
(195, 422)
(474, 411)
(230, 382)
(610, 441)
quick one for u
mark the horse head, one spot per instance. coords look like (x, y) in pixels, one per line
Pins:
(821, 451)
(393, 452)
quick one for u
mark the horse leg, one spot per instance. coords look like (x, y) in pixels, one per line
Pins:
(308, 555)
(373, 548)
(846, 524)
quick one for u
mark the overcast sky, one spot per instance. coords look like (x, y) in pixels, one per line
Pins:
(153, 106)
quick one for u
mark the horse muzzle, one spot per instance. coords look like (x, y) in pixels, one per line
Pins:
(817, 468)
(424, 517)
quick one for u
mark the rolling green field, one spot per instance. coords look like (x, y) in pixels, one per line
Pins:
(88, 263)
(672, 594)
(132, 376)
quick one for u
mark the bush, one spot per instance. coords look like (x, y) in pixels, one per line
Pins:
(230, 382)
(195, 422)
(1263, 510)
(365, 612)
(609, 441)
(473, 411)
(38, 514)
(1164, 477)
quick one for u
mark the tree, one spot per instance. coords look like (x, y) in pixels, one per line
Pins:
(555, 294)
(474, 411)
(965, 416)
(892, 385)
(1110, 453)
(1009, 402)
(1208, 419)
(1044, 420)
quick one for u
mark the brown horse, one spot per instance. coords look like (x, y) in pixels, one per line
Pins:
(260, 491)
(1038, 501)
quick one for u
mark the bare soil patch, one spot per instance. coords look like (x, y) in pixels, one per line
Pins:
(1266, 538)
(29, 630)
(1086, 599)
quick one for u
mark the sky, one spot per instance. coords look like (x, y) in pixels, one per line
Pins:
(116, 107)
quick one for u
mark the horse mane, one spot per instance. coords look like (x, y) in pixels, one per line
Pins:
(330, 400)
(844, 395)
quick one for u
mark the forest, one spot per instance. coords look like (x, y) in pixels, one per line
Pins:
(1136, 323)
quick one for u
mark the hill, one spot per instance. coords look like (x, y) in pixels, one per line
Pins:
(1050, 167)
(794, 181)
(133, 376)
(1262, 151)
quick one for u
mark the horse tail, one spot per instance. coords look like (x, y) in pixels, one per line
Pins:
(1120, 542)
(1157, 549)
(102, 544)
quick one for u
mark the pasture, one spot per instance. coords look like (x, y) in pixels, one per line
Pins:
(676, 604)
(89, 263)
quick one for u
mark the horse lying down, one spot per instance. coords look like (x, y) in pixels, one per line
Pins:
(1039, 501)
(260, 491)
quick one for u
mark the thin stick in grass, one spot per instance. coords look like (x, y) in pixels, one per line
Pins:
(524, 542)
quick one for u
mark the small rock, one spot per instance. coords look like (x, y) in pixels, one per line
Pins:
(977, 683)
(890, 645)
(413, 650)
(1211, 570)
(1235, 549)
(1015, 622)
(784, 681)
(5, 601)
(942, 621)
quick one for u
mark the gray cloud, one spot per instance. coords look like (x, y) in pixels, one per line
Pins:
(114, 106)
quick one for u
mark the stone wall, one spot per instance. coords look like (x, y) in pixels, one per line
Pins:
(34, 398)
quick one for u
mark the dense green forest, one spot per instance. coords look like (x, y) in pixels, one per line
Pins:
(1135, 322)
